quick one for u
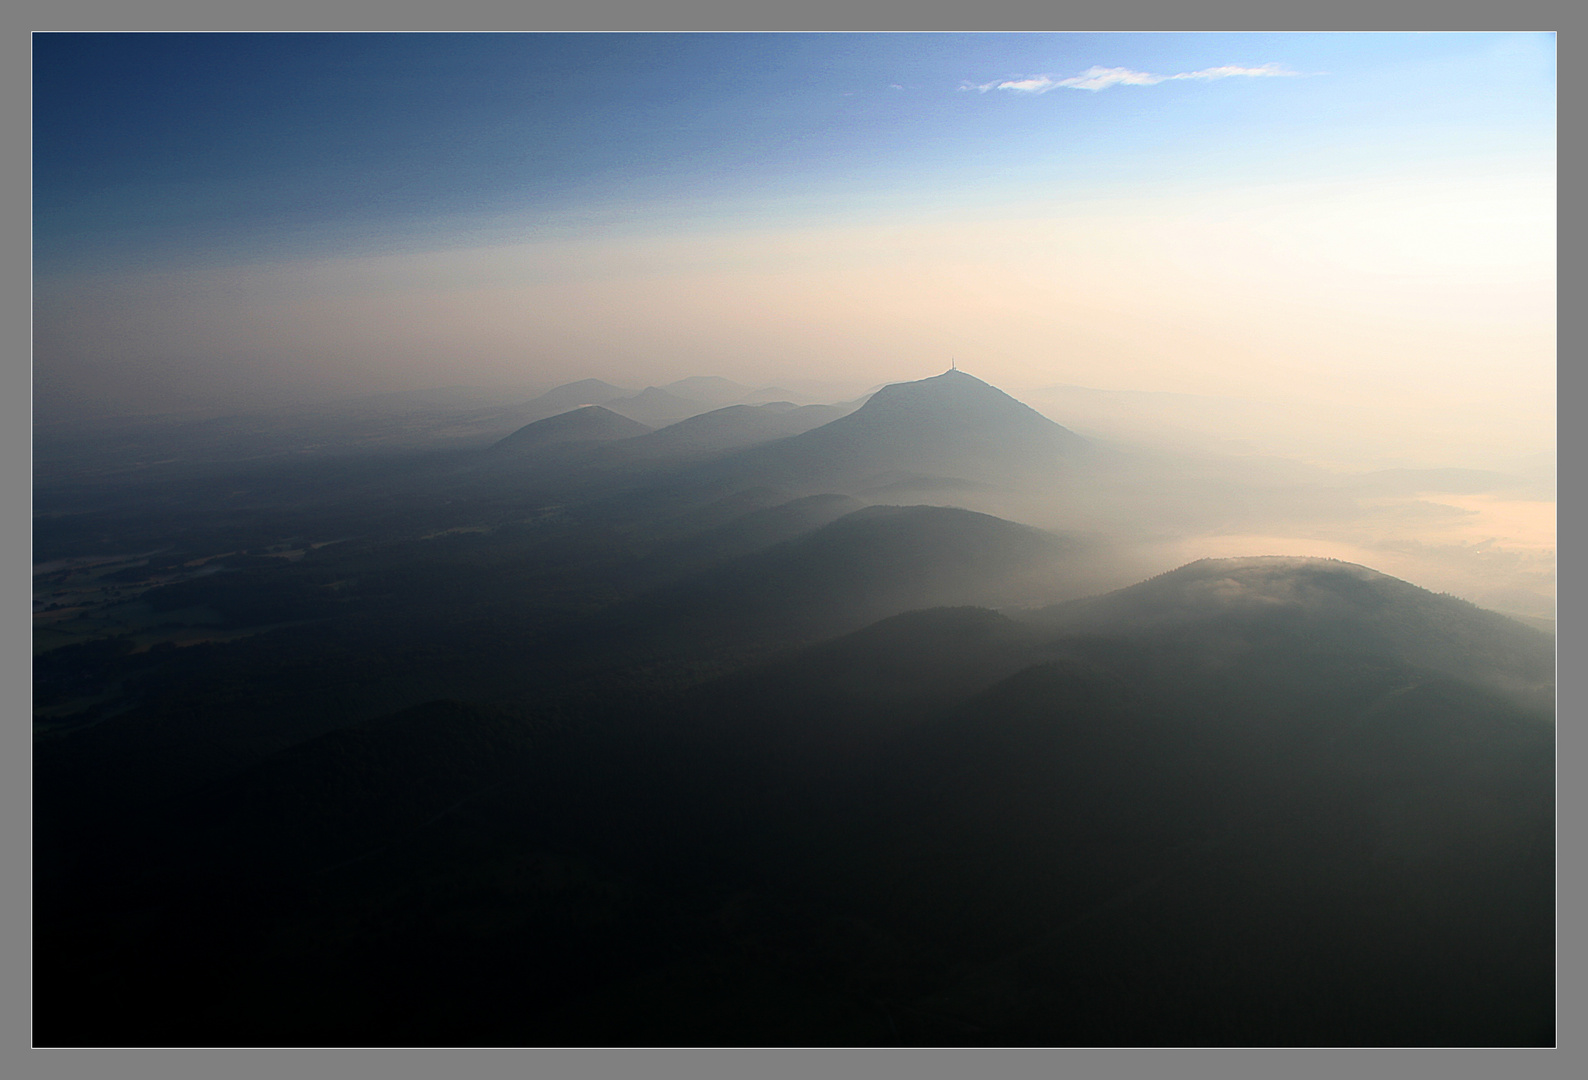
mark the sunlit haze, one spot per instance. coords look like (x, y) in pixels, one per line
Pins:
(794, 540)
(1332, 248)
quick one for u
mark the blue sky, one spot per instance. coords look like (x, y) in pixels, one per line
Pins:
(232, 221)
(189, 143)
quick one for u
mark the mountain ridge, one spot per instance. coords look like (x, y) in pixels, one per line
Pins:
(953, 427)
(588, 424)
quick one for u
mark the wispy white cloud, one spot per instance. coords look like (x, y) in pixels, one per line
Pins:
(1101, 78)
(1226, 70)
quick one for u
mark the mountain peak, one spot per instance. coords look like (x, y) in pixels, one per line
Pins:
(951, 429)
(1331, 605)
(589, 424)
(955, 400)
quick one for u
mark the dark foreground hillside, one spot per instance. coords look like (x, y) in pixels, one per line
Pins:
(623, 738)
(1260, 802)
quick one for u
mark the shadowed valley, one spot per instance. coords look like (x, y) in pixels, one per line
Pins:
(697, 716)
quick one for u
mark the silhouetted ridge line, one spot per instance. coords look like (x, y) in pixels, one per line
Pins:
(950, 431)
(591, 423)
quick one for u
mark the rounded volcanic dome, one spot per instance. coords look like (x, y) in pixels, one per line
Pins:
(589, 423)
(956, 400)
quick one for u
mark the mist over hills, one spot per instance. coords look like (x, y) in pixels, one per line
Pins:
(714, 734)
(1146, 499)
(587, 424)
(950, 438)
(951, 429)
(911, 825)
(511, 570)
(734, 427)
(864, 566)
(656, 407)
(452, 417)
(576, 395)
(711, 390)
(1330, 604)
(653, 406)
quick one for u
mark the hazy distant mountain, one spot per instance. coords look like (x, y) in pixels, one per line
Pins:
(1201, 817)
(772, 393)
(950, 429)
(1223, 807)
(725, 530)
(1213, 626)
(657, 407)
(774, 524)
(749, 520)
(710, 390)
(867, 565)
(443, 417)
(1229, 603)
(733, 428)
(556, 744)
(573, 395)
(591, 424)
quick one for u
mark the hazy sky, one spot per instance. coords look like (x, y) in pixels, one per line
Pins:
(1348, 221)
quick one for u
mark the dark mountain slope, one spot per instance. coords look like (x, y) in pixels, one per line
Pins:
(1146, 837)
(732, 428)
(710, 390)
(657, 407)
(1122, 840)
(1313, 851)
(351, 791)
(766, 526)
(953, 428)
(816, 712)
(368, 867)
(947, 828)
(1327, 604)
(590, 424)
(865, 566)
(1304, 850)
(746, 521)
(576, 395)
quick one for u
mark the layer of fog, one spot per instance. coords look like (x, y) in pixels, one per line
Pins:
(1180, 477)
(1170, 477)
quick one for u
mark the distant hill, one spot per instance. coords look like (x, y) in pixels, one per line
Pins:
(575, 394)
(733, 428)
(590, 424)
(1313, 634)
(866, 565)
(1195, 816)
(751, 521)
(772, 393)
(1251, 602)
(950, 430)
(710, 390)
(1228, 806)
(657, 407)
(774, 524)
(815, 711)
